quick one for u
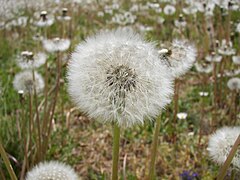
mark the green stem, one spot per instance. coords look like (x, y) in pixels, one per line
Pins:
(7, 162)
(154, 149)
(116, 139)
(223, 170)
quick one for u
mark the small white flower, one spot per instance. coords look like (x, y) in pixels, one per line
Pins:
(116, 76)
(56, 44)
(234, 83)
(24, 81)
(27, 60)
(180, 57)
(52, 170)
(169, 10)
(182, 115)
(220, 144)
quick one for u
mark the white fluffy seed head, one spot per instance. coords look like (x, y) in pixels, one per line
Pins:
(220, 144)
(52, 170)
(234, 84)
(24, 81)
(180, 57)
(56, 44)
(118, 77)
(27, 61)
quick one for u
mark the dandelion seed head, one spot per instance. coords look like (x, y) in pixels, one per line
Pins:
(56, 44)
(234, 84)
(24, 81)
(213, 58)
(204, 67)
(169, 9)
(52, 170)
(226, 48)
(117, 77)
(27, 60)
(180, 57)
(236, 60)
(220, 144)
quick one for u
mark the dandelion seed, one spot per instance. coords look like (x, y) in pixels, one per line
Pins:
(180, 57)
(234, 84)
(56, 44)
(27, 60)
(24, 81)
(220, 144)
(52, 170)
(117, 76)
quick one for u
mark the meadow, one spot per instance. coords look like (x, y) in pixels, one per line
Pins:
(39, 120)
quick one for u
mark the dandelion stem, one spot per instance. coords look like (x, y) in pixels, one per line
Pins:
(215, 97)
(1, 174)
(45, 116)
(154, 149)
(223, 170)
(116, 139)
(38, 121)
(7, 162)
(30, 122)
(176, 91)
(53, 104)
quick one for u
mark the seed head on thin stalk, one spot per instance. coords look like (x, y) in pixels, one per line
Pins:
(44, 20)
(117, 77)
(236, 60)
(234, 84)
(220, 144)
(28, 60)
(169, 9)
(52, 170)
(180, 57)
(204, 67)
(24, 81)
(64, 16)
(213, 57)
(56, 44)
(226, 48)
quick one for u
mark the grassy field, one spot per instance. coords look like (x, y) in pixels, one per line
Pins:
(86, 144)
